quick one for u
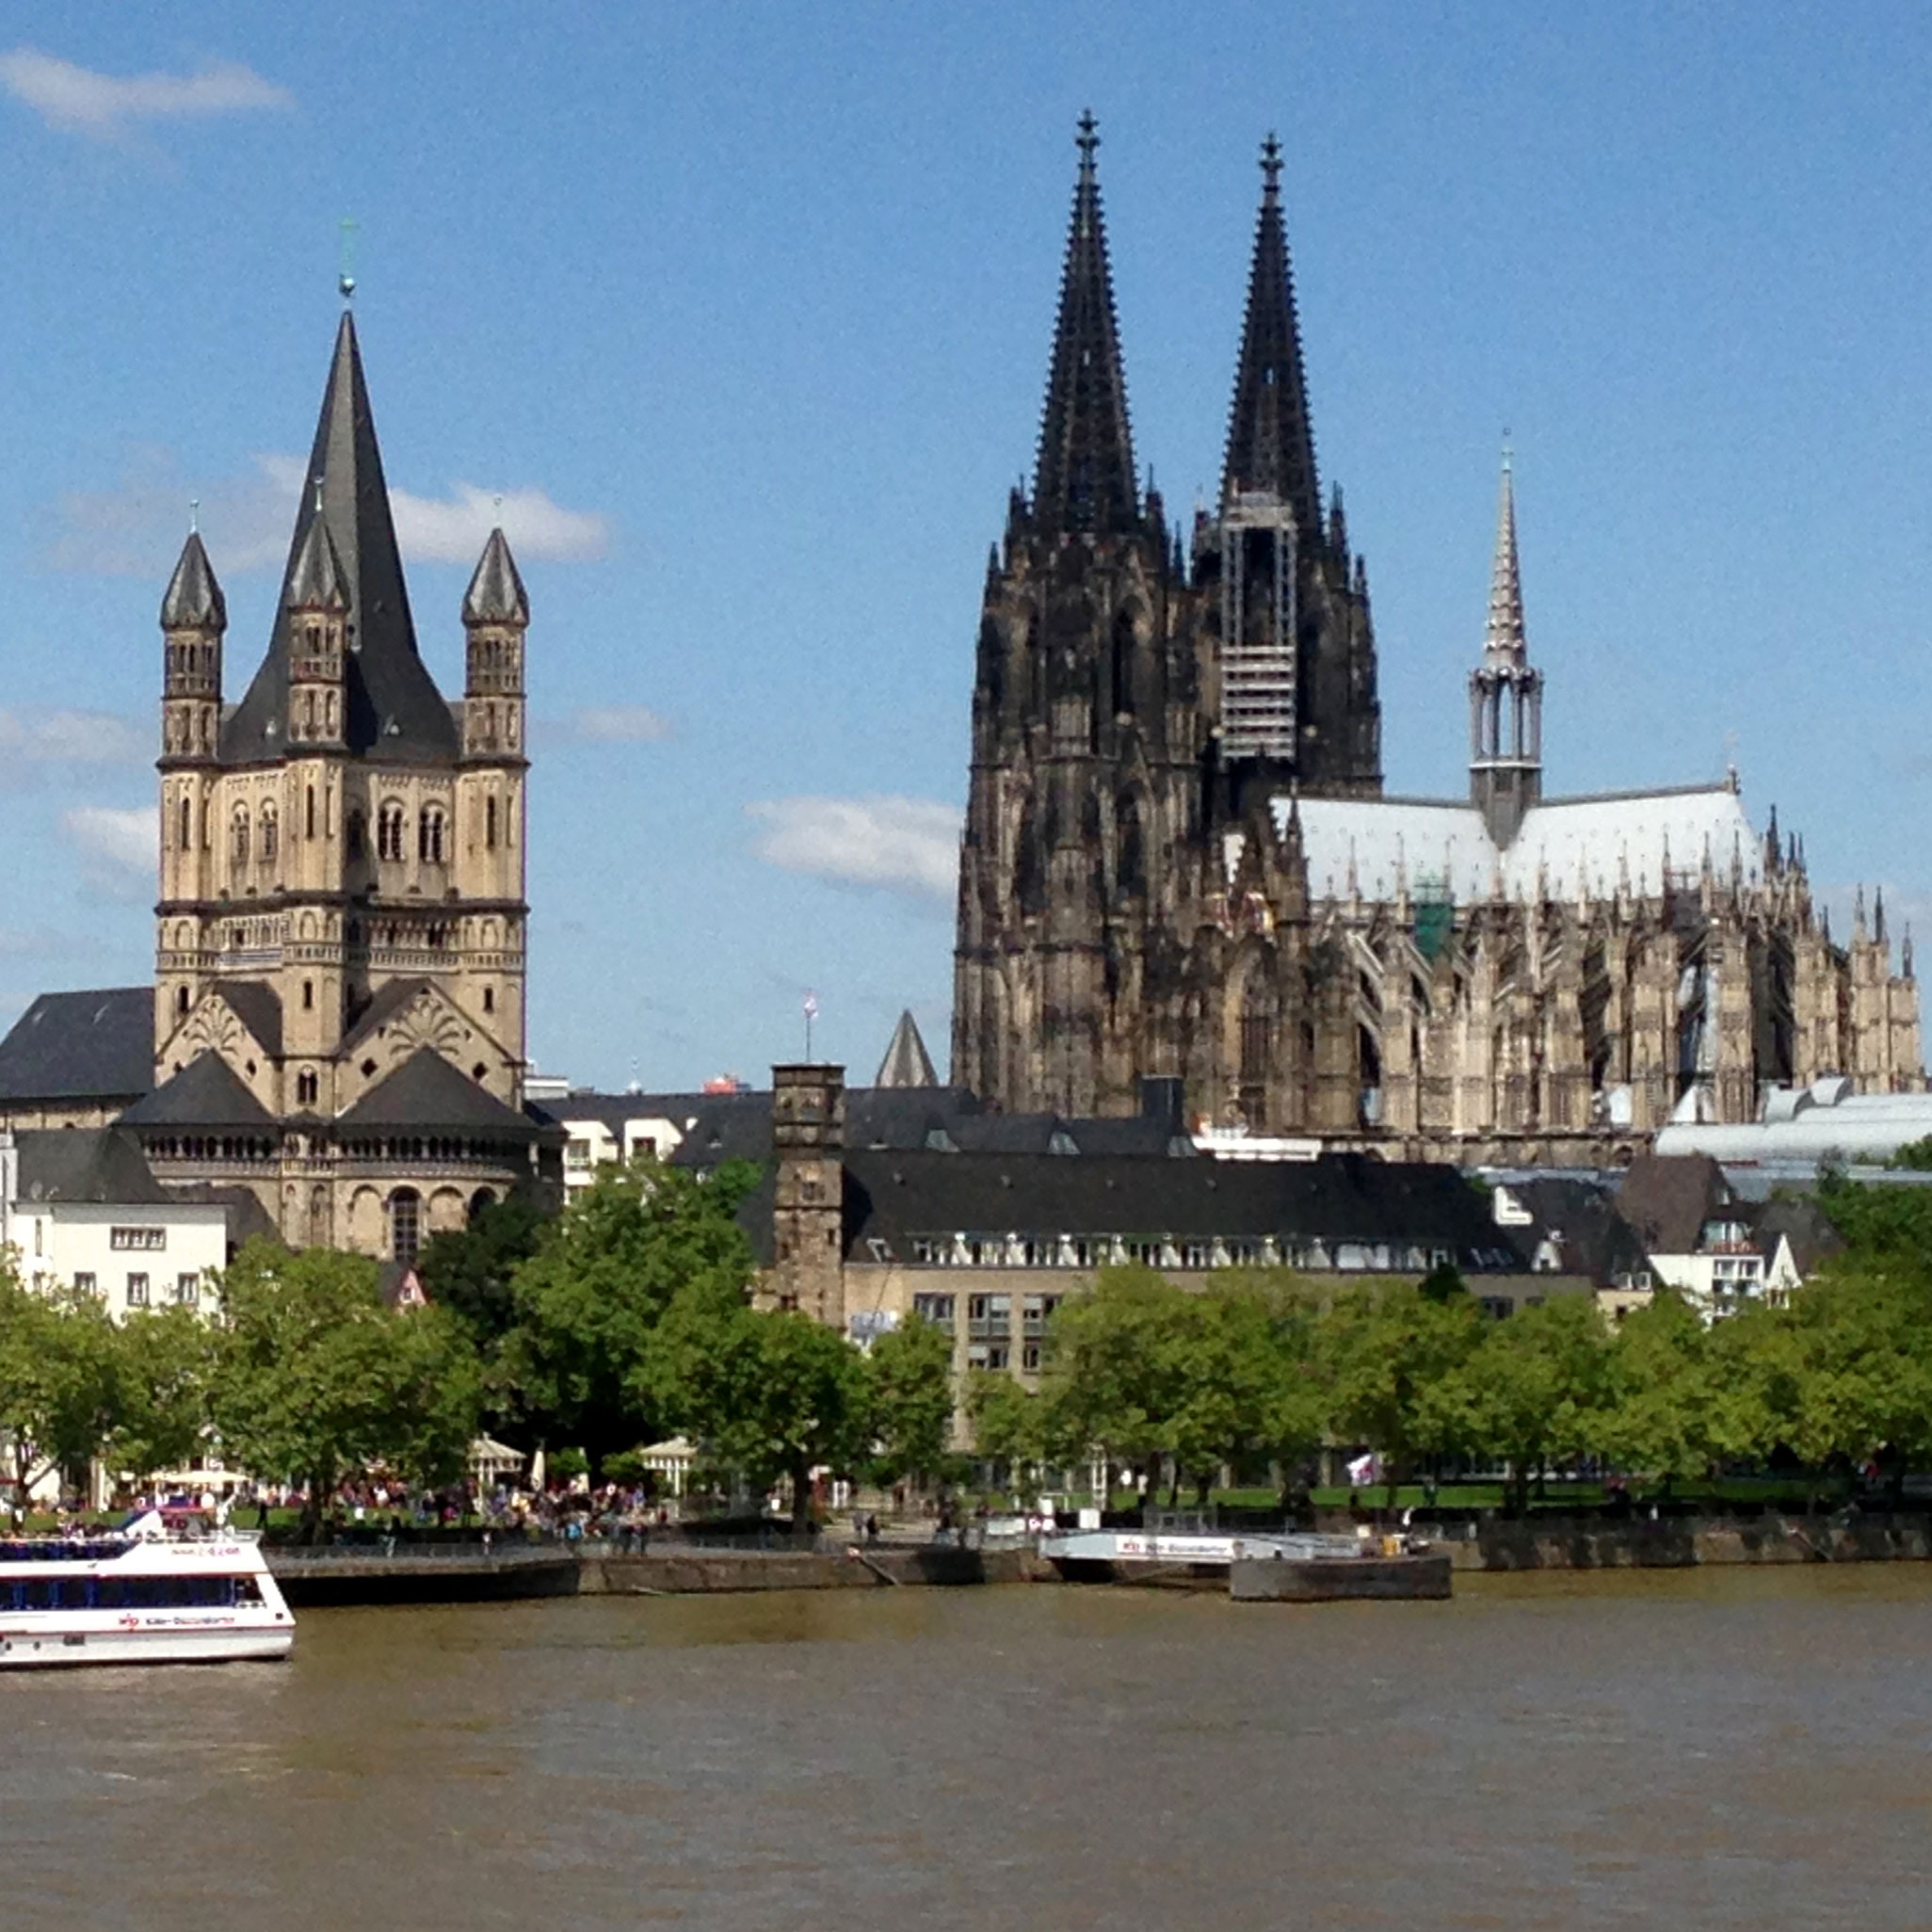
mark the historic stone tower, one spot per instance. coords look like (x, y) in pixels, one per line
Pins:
(1124, 708)
(342, 902)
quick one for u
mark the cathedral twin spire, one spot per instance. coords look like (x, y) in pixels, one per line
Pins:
(1084, 477)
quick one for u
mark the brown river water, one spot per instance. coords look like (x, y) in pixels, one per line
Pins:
(1706, 1749)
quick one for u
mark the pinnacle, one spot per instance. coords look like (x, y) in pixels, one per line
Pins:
(315, 581)
(194, 600)
(1504, 637)
(1084, 476)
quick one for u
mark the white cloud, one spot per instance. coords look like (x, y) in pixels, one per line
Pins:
(69, 737)
(77, 100)
(119, 846)
(453, 528)
(135, 528)
(903, 844)
(611, 724)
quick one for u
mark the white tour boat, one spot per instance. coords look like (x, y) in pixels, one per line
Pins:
(140, 1595)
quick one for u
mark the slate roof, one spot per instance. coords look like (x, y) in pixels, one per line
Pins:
(194, 599)
(247, 1217)
(97, 1045)
(96, 1164)
(496, 591)
(1593, 1237)
(394, 709)
(894, 1196)
(207, 1092)
(259, 1009)
(426, 1092)
(1804, 1224)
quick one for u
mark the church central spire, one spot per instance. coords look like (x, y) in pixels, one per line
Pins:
(1270, 444)
(1084, 479)
(391, 699)
(1503, 640)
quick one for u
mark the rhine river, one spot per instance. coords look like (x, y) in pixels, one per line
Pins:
(1712, 1748)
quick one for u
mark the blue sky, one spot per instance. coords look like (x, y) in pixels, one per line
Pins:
(746, 312)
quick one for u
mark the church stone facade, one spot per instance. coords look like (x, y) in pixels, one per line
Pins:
(338, 1011)
(1179, 858)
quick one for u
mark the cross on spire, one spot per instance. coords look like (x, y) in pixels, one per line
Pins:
(1271, 164)
(1087, 139)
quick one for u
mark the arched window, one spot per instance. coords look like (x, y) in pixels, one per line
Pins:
(429, 836)
(240, 838)
(389, 831)
(353, 833)
(1130, 869)
(489, 823)
(180, 1002)
(405, 1224)
(1123, 663)
(187, 824)
(306, 1089)
(310, 821)
(269, 831)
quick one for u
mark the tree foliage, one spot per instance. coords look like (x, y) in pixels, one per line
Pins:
(315, 1375)
(909, 1369)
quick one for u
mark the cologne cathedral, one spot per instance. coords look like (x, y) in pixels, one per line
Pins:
(1179, 859)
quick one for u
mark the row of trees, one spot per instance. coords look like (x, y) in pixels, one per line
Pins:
(1261, 1371)
(623, 1320)
(627, 1319)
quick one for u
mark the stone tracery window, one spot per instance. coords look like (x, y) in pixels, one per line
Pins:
(429, 836)
(269, 834)
(239, 836)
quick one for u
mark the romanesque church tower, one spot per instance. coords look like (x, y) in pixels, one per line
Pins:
(340, 932)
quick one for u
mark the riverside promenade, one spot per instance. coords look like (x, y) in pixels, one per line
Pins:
(479, 1570)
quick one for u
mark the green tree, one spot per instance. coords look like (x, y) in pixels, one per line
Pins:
(589, 1301)
(1110, 1383)
(316, 1378)
(910, 1371)
(166, 1368)
(1533, 1390)
(470, 1270)
(1379, 1350)
(1682, 1395)
(1009, 1421)
(770, 1393)
(60, 1381)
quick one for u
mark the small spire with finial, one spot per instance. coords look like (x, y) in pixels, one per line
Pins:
(1087, 140)
(345, 274)
(1271, 165)
(193, 515)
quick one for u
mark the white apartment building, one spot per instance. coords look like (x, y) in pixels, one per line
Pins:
(80, 1208)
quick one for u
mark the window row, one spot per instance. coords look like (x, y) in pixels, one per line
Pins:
(1194, 1253)
(186, 1292)
(256, 836)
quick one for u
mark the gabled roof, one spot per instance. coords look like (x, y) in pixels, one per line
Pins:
(194, 600)
(394, 709)
(426, 1092)
(1666, 1199)
(1593, 1238)
(81, 1046)
(207, 1092)
(91, 1164)
(1083, 478)
(1270, 444)
(1804, 1224)
(384, 1005)
(907, 1063)
(258, 1008)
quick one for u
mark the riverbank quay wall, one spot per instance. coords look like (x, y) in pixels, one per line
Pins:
(1687, 1542)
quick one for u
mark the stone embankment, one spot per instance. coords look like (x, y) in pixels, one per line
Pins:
(1686, 1542)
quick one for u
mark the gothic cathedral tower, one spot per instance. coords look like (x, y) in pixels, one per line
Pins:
(1130, 715)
